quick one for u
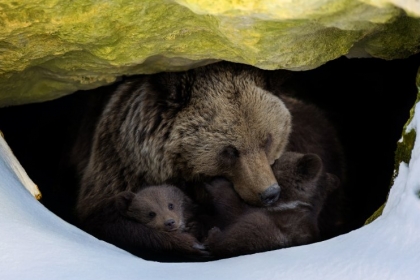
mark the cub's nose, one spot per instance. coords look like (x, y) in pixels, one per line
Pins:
(270, 195)
(169, 224)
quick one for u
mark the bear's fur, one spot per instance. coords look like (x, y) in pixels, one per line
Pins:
(313, 133)
(155, 217)
(161, 207)
(184, 128)
(291, 221)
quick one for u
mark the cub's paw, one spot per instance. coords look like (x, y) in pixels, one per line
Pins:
(201, 248)
(213, 235)
(214, 231)
(191, 227)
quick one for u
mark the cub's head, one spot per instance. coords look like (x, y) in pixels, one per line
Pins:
(303, 179)
(226, 124)
(158, 207)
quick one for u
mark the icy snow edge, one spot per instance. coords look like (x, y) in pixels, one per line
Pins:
(36, 244)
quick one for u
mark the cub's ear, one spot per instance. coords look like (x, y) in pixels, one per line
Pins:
(123, 200)
(332, 182)
(309, 167)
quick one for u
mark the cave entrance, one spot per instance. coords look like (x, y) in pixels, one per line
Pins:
(367, 99)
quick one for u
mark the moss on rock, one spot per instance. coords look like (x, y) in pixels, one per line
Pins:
(50, 48)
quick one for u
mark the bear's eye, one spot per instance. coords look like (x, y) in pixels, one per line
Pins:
(229, 155)
(230, 152)
(170, 206)
(152, 214)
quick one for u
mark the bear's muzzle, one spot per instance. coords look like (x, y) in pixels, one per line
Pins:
(254, 180)
(270, 195)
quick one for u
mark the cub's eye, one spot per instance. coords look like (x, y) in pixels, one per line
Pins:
(152, 214)
(171, 206)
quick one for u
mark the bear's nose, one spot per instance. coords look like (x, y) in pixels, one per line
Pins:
(169, 224)
(270, 195)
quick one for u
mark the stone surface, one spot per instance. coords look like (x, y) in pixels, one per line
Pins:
(49, 48)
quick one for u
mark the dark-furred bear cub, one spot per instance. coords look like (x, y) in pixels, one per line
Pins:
(167, 215)
(291, 221)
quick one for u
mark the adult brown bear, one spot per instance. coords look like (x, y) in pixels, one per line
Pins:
(178, 128)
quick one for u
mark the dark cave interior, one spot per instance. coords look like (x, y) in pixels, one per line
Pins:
(367, 99)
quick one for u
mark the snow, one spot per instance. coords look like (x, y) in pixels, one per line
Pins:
(36, 244)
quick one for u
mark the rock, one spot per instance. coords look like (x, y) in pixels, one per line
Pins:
(51, 48)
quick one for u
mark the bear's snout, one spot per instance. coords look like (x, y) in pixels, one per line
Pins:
(170, 225)
(270, 195)
(253, 179)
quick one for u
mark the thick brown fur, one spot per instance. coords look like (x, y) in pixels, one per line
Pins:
(164, 209)
(161, 207)
(291, 221)
(158, 238)
(187, 127)
(313, 133)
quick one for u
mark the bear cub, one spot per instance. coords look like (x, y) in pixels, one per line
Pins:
(166, 211)
(162, 207)
(291, 221)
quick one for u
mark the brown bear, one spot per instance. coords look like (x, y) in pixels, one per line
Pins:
(291, 221)
(156, 217)
(184, 128)
(167, 211)
(160, 207)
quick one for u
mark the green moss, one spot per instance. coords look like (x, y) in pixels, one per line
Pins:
(403, 152)
(398, 39)
(49, 48)
(375, 215)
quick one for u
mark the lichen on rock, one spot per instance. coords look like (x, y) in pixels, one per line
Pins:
(50, 48)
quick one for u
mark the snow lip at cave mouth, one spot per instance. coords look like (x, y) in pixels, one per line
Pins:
(35, 243)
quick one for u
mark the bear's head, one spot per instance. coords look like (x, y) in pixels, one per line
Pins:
(225, 123)
(305, 178)
(302, 177)
(159, 207)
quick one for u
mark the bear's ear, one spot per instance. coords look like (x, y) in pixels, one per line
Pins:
(332, 182)
(172, 88)
(309, 166)
(123, 200)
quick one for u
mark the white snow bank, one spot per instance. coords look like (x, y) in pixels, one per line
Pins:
(36, 244)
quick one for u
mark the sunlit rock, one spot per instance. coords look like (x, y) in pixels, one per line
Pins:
(50, 48)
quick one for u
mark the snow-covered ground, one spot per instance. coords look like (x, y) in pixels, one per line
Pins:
(36, 244)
